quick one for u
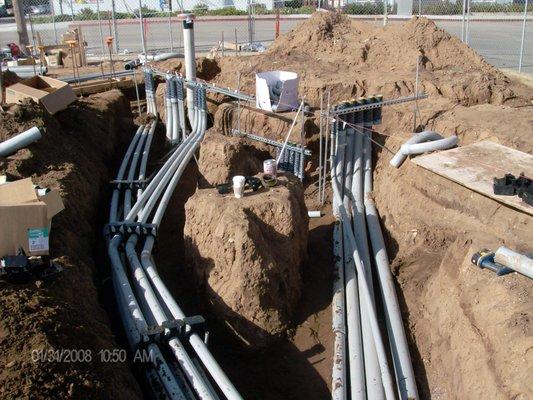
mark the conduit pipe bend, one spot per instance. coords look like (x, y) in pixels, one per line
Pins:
(144, 271)
(416, 145)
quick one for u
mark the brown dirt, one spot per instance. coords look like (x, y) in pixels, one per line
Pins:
(265, 231)
(77, 156)
(468, 329)
(222, 157)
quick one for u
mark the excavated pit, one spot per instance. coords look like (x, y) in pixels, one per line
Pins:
(469, 330)
(77, 155)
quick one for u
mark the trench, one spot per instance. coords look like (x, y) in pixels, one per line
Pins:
(441, 296)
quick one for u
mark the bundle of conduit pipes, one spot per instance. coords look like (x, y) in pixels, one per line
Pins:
(360, 366)
(180, 364)
(175, 109)
(149, 86)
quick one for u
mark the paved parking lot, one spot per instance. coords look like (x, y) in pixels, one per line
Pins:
(497, 41)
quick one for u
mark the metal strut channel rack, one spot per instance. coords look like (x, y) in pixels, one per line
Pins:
(271, 142)
(293, 158)
(370, 106)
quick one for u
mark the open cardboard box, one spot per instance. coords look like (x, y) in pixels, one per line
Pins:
(288, 99)
(26, 218)
(53, 94)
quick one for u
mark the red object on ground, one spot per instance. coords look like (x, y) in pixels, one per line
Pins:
(15, 50)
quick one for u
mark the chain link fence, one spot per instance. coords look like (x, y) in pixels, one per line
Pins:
(497, 29)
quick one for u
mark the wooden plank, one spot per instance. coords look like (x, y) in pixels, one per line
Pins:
(102, 85)
(476, 165)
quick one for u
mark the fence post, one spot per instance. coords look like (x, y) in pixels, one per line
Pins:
(463, 22)
(170, 25)
(71, 11)
(115, 31)
(522, 41)
(141, 26)
(100, 26)
(467, 30)
(22, 31)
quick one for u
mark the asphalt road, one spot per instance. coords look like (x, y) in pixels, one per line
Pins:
(497, 41)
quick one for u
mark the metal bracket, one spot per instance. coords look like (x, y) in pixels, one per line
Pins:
(176, 327)
(127, 184)
(124, 227)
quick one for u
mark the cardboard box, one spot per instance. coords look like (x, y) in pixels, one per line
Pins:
(19, 62)
(54, 60)
(26, 218)
(53, 94)
(288, 98)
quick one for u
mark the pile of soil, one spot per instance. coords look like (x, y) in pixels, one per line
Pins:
(9, 78)
(454, 313)
(77, 156)
(247, 253)
(222, 157)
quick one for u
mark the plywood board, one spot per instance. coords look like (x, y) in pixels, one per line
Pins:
(476, 165)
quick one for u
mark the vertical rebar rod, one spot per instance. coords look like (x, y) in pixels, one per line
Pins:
(415, 107)
(321, 123)
(330, 142)
(238, 102)
(137, 92)
(523, 40)
(1, 85)
(222, 41)
(236, 41)
(302, 154)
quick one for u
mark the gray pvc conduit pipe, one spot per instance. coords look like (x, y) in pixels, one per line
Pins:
(159, 365)
(419, 148)
(145, 154)
(378, 339)
(152, 307)
(145, 290)
(189, 53)
(19, 141)
(168, 106)
(415, 145)
(353, 323)
(178, 160)
(159, 57)
(403, 367)
(133, 168)
(338, 373)
(511, 259)
(374, 386)
(147, 262)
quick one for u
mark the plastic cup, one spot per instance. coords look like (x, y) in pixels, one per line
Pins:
(238, 185)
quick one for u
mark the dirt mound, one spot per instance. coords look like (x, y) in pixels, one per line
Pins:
(247, 255)
(76, 155)
(222, 157)
(456, 313)
(9, 78)
(353, 58)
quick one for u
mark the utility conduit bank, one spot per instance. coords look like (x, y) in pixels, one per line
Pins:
(359, 345)
(180, 362)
